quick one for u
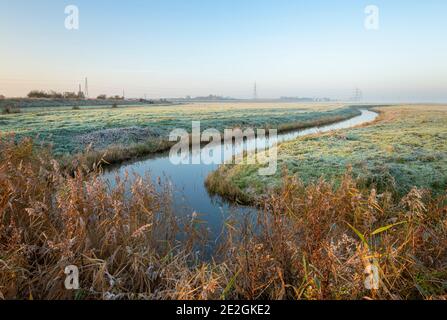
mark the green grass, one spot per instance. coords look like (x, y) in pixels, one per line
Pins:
(62, 126)
(406, 147)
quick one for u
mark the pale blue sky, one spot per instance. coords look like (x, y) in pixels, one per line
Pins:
(170, 48)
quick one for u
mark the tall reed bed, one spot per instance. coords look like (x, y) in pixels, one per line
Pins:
(317, 242)
(123, 243)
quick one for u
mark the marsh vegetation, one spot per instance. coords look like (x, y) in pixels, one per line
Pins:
(316, 231)
(309, 241)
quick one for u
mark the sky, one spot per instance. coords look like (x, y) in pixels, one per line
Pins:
(175, 48)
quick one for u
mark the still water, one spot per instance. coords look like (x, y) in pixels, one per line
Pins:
(187, 182)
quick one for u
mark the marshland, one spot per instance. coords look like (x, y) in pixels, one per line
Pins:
(108, 192)
(369, 193)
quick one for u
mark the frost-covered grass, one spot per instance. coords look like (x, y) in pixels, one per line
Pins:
(63, 127)
(406, 147)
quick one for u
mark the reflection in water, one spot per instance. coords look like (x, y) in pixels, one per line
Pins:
(187, 181)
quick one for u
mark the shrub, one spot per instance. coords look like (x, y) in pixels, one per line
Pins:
(9, 109)
(38, 94)
(70, 95)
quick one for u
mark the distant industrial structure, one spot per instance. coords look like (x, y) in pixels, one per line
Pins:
(255, 92)
(80, 93)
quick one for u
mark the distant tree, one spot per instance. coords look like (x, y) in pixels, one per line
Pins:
(70, 95)
(38, 94)
(55, 95)
(102, 97)
(2, 97)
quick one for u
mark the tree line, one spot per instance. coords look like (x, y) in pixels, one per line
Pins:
(40, 94)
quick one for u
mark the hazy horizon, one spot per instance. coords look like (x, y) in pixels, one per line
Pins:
(169, 49)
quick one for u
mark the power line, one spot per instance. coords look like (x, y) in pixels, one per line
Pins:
(358, 95)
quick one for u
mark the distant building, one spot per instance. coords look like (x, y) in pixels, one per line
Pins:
(2, 97)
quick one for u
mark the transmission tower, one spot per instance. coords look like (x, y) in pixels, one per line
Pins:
(255, 92)
(358, 95)
(86, 88)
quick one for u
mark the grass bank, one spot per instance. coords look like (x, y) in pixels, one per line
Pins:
(404, 148)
